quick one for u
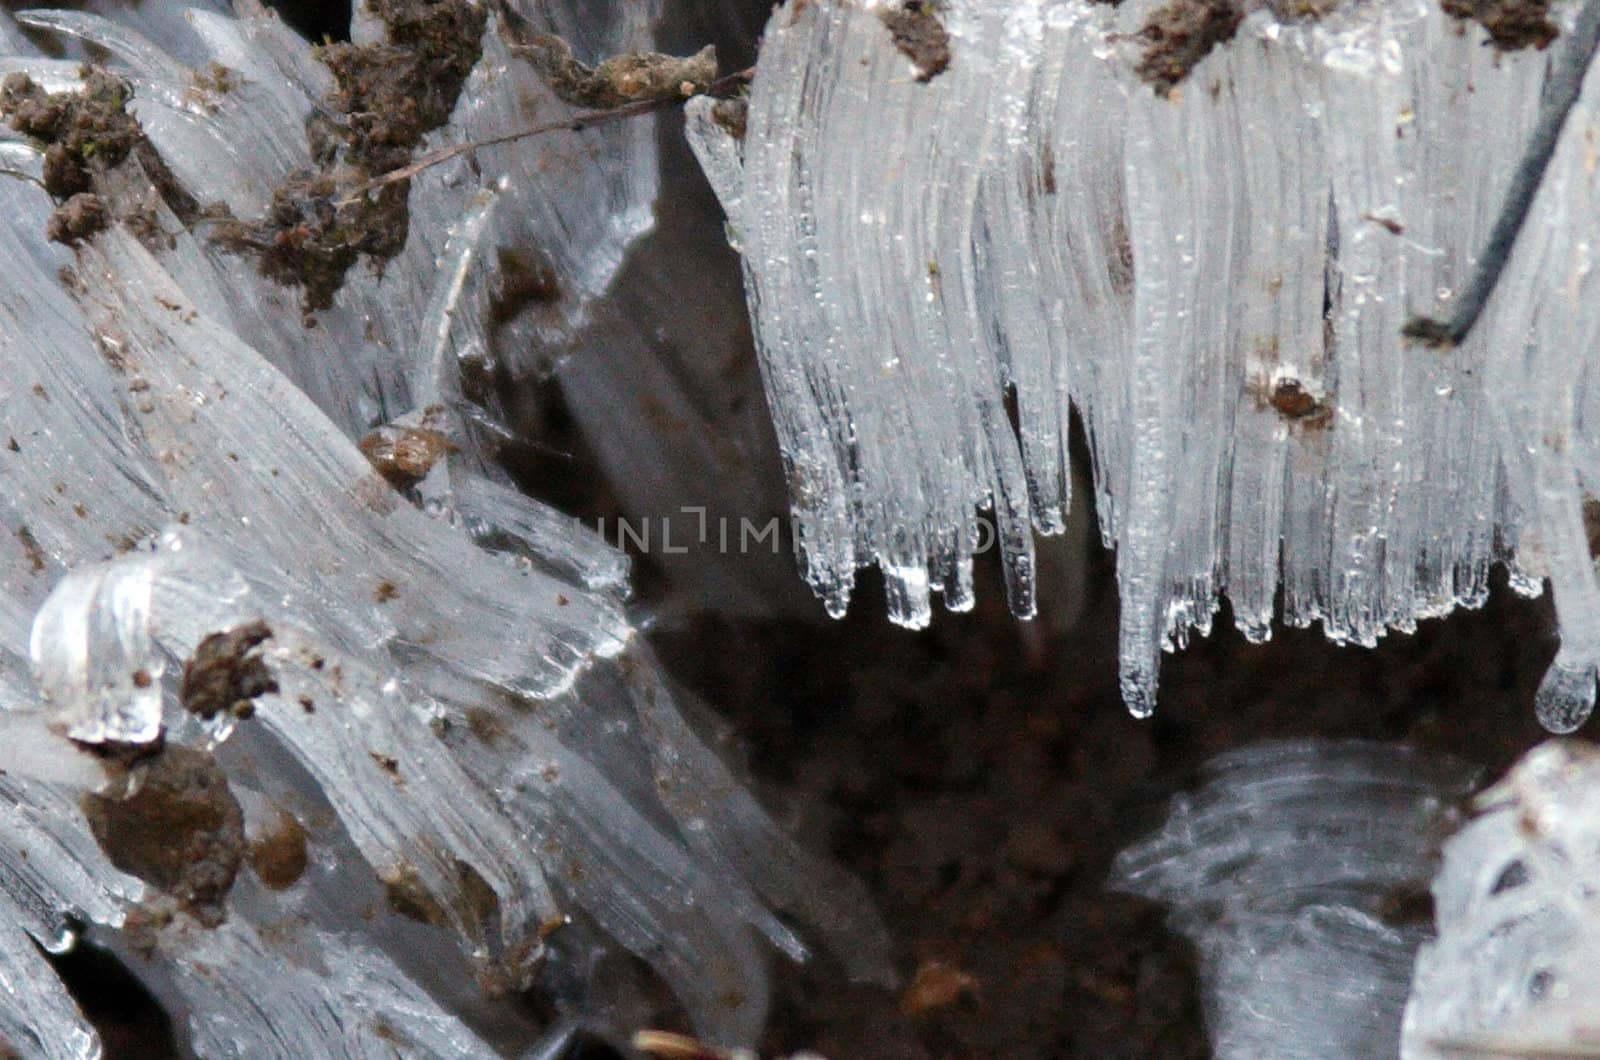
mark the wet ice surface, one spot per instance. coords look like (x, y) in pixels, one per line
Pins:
(1216, 282)
(465, 724)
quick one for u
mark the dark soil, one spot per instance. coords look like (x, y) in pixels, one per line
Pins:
(181, 832)
(1181, 33)
(1512, 24)
(225, 675)
(920, 36)
(980, 777)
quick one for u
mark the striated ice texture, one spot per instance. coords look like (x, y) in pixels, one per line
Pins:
(1511, 973)
(465, 725)
(941, 267)
(1292, 870)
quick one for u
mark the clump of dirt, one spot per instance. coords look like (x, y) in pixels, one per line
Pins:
(1179, 34)
(1512, 24)
(633, 78)
(77, 219)
(391, 95)
(920, 36)
(386, 98)
(307, 239)
(279, 855)
(182, 831)
(1296, 404)
(225, 674)
(86, 135)
(405, 455)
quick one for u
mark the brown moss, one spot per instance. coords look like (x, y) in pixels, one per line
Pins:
(920, 36)
(225, 674)
(181, 832)
(1512, 24)
(86, 134)
(1181, 33)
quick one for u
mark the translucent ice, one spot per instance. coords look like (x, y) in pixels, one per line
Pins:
(459, 720)
(1290, 869)
(1510, 973)
(1215, 278)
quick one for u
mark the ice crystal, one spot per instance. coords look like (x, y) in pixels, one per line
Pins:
(456, 714)
(1204, 236)
(1291, 870)
(1517, 941)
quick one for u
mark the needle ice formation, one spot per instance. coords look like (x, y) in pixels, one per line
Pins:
(1202, 228)
(439, 701)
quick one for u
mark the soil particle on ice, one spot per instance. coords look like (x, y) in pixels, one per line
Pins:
(386, 98)
(279, 855)
(1512, 24)
(181, 831)
(226, 674)
(1179, 34)
(916, 30)
(87, 136)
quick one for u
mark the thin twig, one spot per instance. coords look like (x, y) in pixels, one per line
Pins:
(721, 88)
(1561, 94)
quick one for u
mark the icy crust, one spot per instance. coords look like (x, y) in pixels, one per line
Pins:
(1511, 972)
(1292, 870)
(1216, 282)
(461, 700)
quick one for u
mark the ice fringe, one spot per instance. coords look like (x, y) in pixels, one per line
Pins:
(1215, 280)
(458, 680)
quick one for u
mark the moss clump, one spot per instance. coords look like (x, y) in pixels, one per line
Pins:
(86, 135)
